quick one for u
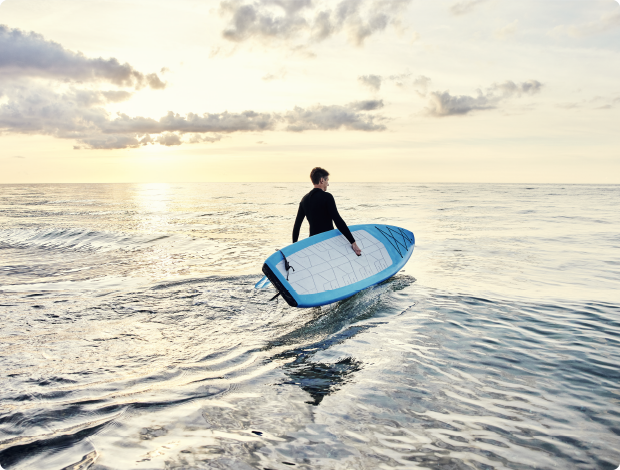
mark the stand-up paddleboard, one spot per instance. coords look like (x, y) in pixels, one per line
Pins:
(324, 268)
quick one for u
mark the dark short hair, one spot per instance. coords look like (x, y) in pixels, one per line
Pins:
(317, 173)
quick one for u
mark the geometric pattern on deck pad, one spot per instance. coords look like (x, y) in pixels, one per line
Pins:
(332, 263)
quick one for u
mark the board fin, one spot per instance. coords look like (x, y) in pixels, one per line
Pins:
(264, 283)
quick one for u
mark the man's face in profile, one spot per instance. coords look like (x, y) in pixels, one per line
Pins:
(324, 183)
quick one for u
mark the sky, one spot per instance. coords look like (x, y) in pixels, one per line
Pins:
(264, 90)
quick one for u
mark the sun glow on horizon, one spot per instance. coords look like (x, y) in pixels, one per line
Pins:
(485, 93)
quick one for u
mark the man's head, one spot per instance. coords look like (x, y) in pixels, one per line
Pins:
(320, 178)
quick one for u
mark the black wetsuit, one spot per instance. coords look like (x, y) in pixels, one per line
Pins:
(320, 209)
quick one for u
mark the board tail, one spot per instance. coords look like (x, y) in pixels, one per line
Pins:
(279, 286)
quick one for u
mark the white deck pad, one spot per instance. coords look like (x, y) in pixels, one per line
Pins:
(332, 263)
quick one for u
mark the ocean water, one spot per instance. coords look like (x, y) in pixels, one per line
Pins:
(131, 336)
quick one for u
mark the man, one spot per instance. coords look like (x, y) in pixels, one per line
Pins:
(320, 208)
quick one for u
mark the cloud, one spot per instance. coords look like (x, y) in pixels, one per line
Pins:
(257, 19)
(48, 90)
(115, 96)
(31, 55)
(368, 105)
(169, 139)
(398, 79)
(191, 123)
(109, 142)
(464, 6)
(611, 102)
(80, 115)
(330, 118)
(510, 88)
(311, 21)
(371, 81)
(442, 104)
(606, 22)
(421, 83)
(374, 82)
(32, 108)
(198, 138)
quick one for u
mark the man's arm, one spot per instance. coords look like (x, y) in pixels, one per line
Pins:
(301, 214)
(342, 226)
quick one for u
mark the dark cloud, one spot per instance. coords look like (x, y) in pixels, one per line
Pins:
(80, 115)
(443, 104)
(308, 20)
(464, 6)
(31, 55)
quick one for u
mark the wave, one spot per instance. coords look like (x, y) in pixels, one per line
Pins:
(76, 239)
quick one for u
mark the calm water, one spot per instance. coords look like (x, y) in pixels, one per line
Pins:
(131, 336)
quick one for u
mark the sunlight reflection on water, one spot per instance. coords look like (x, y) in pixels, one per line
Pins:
(131, 336)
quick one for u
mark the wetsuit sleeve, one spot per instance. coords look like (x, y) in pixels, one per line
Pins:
(342, 226)
(301, 214)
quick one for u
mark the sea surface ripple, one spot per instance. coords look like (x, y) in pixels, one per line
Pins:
(131, 335)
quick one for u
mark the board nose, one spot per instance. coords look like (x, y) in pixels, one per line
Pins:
(411, 236)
